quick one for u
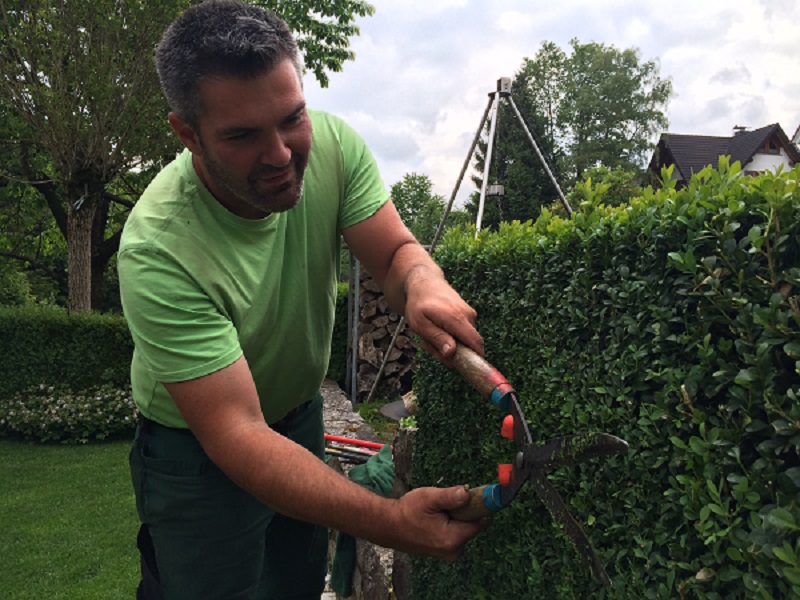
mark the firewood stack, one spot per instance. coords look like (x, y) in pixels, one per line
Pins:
(377, 324)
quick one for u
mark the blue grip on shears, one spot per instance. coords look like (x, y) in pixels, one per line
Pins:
(491, 497)
(500, 396)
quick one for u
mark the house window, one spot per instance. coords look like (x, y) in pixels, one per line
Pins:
(770, 147)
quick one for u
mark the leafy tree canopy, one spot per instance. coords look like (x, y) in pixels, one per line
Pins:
(420, 209)
(601, 105)
(592, 106)
(323, 29)
(79, 82)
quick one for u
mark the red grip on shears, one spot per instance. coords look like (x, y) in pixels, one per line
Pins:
(507, 429)
(494, 377)
(504, 474)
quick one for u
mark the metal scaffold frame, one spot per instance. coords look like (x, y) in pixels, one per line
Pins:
(502, 92)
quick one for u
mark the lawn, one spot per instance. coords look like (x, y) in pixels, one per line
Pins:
(68, 519)
(68, 522)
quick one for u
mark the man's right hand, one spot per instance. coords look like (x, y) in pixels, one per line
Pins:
(424, 525)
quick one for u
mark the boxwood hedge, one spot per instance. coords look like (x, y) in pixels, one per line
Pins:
(66, 378)
(672, 322)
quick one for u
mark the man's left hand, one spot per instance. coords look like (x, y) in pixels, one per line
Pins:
(436, 312)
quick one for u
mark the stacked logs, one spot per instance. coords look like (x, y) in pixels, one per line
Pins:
(377, 324)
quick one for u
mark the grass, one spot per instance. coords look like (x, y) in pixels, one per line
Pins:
(384, 427)
(68, 522)
(68, 518)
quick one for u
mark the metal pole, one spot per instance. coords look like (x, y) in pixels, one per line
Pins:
(354, 356)
(348, 377)
(487, 163)
(477, 137)
(402, 322)
(541, 156)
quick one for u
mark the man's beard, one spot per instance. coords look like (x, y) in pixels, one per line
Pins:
(279, 199)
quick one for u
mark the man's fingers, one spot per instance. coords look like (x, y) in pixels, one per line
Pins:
(443, 342)
(450, 499)
(434, 532)
(445, 335)
(454, 497)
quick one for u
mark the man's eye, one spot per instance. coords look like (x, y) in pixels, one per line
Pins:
(240, 135)
(294, 119)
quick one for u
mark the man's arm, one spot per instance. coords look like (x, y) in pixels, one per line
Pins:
(413, 283)
(223, 412)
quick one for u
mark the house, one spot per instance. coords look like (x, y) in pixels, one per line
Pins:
(796, 138)
(760, 150)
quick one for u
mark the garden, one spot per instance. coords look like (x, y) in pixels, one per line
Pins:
(671, 321)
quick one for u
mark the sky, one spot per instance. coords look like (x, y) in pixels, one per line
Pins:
(419, 84)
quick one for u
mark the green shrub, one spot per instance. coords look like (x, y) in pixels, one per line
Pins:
(14, 288)
(47, 344)
(56, 414)
(672, 322)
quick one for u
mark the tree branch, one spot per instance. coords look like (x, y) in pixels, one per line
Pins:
(117, 199)
(32, 264)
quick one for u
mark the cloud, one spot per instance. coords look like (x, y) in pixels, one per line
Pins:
(719, 115)
(424, 68)
(732, 75)
(777, 8)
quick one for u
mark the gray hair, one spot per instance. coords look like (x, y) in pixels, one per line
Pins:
(220, 38)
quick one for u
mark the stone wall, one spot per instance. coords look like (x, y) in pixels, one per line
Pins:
(380, 574)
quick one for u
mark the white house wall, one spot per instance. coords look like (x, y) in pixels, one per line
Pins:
(768, 162)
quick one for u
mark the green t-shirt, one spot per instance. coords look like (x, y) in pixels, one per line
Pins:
(201, 286)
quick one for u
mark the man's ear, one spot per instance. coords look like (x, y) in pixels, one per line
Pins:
(185, 133)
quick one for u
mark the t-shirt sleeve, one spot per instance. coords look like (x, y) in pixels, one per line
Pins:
(364, 190)
(179, 333)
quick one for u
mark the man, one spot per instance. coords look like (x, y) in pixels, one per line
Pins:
(228, 275)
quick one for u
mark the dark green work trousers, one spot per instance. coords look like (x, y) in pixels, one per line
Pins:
(203, 537)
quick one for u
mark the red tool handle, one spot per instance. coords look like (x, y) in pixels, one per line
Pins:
(353, 442)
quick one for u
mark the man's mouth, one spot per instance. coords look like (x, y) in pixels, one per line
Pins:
(273, 178)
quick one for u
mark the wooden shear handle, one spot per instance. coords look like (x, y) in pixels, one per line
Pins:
(486, 380)
(475, 509)
(477, 371)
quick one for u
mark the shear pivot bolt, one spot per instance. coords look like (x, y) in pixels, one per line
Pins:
(520, 460)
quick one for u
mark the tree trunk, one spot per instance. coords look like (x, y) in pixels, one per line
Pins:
(98, 275)
(79, 257)
(102, 249)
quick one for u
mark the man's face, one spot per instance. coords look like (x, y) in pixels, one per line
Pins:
(253, 140)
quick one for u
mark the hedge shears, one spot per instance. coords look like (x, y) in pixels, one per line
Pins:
(532, 461)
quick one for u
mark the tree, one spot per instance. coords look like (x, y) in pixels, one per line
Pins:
(81, 75)
(76, 72)
(420, 209)
(595, 107)
(613, 105)
(323, 29)
(31, 246)
(603, 106)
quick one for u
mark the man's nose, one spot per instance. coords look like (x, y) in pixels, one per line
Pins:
(276, 152)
